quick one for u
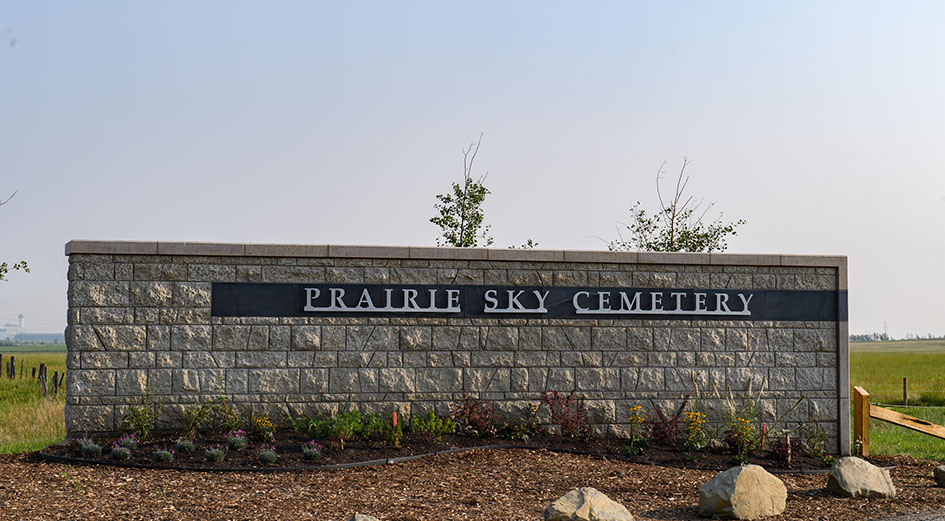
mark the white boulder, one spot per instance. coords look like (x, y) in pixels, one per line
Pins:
(586, 504)
(854, 477)
(746, 492)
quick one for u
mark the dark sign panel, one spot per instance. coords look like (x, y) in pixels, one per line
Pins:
(236, 299)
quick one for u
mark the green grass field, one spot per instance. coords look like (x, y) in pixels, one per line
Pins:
(36, 348)
(27, 420)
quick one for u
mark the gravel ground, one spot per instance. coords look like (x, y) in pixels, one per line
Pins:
(480, 485)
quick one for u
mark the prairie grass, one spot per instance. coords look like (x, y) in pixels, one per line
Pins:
(27, 420)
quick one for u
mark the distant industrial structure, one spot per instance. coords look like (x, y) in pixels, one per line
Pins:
(17, 333)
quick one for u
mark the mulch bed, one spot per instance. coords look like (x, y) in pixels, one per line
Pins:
(483, 484)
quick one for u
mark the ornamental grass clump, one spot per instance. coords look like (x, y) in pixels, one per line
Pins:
(88, 447)
(120, 453)
(185, 446)
(162, 456)
(267, 454)
(237, 440)
(638, 440)
(263, 428)
(128, 441)
(214, 453)
(312, 450)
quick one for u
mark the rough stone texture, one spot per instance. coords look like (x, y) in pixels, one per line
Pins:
(746, 492)
(854, 477)
(939, 475)
(143, 320)
(362, 517)
(586, 504)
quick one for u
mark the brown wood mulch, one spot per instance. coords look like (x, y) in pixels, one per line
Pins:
(481, 484)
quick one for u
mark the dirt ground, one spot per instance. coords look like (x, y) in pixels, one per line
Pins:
(481, 485)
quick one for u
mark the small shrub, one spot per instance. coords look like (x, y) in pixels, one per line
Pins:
(224, 416)
(88, 447)
(696, 438)
(312, 450)
(342, 428)
(267, 454)
(526, 427)
(741, 438)
(392, 432)
(371, 425)
(815, 438)
(638, 440)
(236, 440)
(120, 453)
(128, 441)
(142, 417)
(162, 456)
(785, 449)
(432, 426)
(666, 430)
(195, 417)
(215, 453)
(263, 429)
(473, 416)
(185, 446)
(318, 426)
(568, 412)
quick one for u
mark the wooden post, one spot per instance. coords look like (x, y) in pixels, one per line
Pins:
(861, 421)
(905, 391)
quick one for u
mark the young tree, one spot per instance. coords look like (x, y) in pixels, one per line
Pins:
(4, 267)
(461, 215)
(677, 226)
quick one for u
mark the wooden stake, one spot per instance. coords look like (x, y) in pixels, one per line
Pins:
(905, 391)
(861, 421)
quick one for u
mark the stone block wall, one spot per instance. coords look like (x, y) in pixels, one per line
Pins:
(140, 317)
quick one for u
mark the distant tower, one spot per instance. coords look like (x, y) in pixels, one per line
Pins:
(19, 322)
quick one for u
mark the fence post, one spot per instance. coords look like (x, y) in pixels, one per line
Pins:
(905, 391)
(861, 421)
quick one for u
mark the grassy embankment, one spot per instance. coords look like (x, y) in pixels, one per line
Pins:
(879, 367)
(27, 421)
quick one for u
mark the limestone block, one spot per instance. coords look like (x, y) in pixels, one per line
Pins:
(498, 338)
(92, 382)
(492, 359)
(191, 338)
(712, 339)
(344, 380)
(642, 379)
(99, 293)
(104, 360)
(274, 380)
(131, 382)
(168, 359)
(148, 271)
(91, 271)
(211, 273)
(816, 378)
(414, 338)
(105, 316)
(185, 381)
(152, 294)
(559, 378)
(292, 273)
(481, 380)
(597, 379)
(160, 381)
(236, 381)
(89, 418)
(609, 338)
(371, 338)
(745, 492)
(565, 338)
(192, 294)
(629, 359)
(586, 504)
(306, 338)
(396, 380)
(208, 359)
(260, 359)
(781, 379)
(444, 380)
(823, 340)
(854, 477)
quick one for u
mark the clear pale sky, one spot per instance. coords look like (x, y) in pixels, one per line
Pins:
(820, 123)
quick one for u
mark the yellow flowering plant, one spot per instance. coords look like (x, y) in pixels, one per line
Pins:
(696, 438)
(638, 441)
(263, 428)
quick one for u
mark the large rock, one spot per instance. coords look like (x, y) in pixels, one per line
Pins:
(362, 517)
(854, 477)
(586, 504)
(746, 492)
(939, 474)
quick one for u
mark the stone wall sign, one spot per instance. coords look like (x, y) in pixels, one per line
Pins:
(300, 329)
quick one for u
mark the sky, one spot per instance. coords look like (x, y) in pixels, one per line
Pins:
(822, 124)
